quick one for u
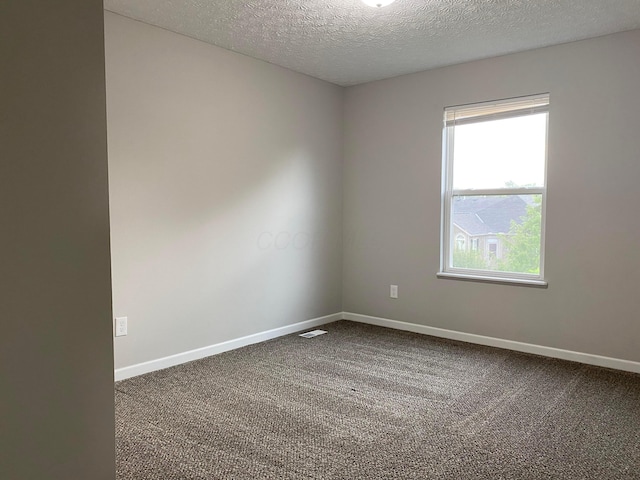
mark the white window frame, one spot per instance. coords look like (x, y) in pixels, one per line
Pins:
(488, 110)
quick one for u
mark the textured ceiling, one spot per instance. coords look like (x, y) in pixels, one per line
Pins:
(347, 42)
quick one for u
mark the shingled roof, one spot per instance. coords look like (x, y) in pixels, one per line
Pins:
(489, 214)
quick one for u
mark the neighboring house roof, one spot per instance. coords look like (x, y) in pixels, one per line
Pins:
(490, 214)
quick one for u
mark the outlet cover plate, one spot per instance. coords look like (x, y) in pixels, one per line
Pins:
(121, 326)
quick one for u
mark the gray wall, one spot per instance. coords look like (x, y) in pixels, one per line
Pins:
(393, 143)
(56, 355)
(211, 156)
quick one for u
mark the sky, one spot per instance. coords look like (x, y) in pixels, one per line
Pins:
(490, 154)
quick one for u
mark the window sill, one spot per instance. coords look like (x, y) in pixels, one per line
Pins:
(500, 280)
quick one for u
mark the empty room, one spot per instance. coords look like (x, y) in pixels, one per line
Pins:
(320, 239)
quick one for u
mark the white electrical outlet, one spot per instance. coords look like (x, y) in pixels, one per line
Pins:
(393, 291)
(121, 326)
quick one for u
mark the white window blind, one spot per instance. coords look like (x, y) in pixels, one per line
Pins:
(466, 114)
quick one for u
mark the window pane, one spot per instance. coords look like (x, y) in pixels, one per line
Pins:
(509, 152)
(496, 232)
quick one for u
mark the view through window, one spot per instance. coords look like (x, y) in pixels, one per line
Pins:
(495, 189)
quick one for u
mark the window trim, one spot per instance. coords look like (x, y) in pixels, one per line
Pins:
(499, 280)
(448, 193)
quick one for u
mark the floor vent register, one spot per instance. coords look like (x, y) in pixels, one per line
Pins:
(313, 333)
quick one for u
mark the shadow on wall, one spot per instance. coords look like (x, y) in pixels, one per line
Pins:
(210, 153)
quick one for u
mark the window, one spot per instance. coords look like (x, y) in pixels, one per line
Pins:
(493, 247)
(494, 190)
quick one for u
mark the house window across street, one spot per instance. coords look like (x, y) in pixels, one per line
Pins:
(494, 190)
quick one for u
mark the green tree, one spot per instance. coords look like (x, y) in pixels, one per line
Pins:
(523, 242)
(468, 259)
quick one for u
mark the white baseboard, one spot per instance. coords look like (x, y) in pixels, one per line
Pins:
(587, 358)
(180, 358)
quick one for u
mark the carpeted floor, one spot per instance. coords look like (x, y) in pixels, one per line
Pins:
(365, 402)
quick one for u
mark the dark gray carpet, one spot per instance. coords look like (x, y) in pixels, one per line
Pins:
(366, 402)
